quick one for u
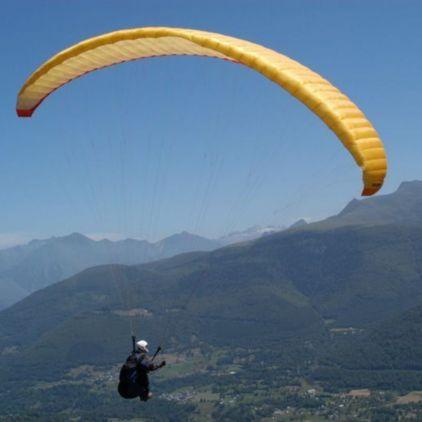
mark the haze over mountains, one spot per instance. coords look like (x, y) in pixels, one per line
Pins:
(352, 275)
(27, 268)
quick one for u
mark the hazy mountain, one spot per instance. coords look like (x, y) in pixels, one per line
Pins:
(184, 242)
(25, 269)
(252, 233)
(299, 223)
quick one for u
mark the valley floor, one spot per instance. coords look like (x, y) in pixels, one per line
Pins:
(205, 387)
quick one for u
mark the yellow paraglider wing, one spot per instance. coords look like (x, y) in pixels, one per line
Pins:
(332, 106)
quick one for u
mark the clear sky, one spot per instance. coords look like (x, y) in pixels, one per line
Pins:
(154, 147)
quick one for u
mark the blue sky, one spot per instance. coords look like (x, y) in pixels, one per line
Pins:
(154, 147)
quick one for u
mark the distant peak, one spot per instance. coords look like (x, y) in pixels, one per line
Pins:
(75, 237)
(182, 236)
(184, 233)
(299, 223)
(411, 186)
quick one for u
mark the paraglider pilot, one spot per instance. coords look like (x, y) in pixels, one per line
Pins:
(133, 379)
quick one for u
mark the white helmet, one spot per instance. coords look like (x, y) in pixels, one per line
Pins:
(142, 345)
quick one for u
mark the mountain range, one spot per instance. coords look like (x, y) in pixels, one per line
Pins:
(288, 282)
(27, 268)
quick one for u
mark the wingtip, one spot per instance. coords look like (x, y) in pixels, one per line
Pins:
(369, 191)
(24, 113)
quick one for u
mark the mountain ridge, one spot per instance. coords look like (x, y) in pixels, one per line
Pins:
(41, 262)
(402, 206)
(26, 268)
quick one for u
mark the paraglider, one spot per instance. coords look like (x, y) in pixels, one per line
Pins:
(133, 378)
(338, 112)
(334, 108)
